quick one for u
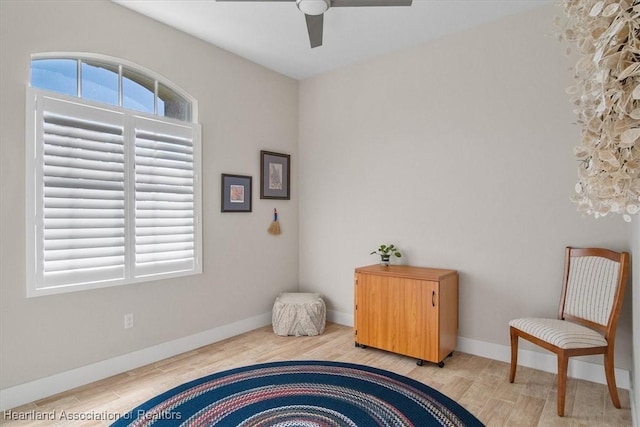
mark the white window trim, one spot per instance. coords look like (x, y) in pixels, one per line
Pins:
(34, 185)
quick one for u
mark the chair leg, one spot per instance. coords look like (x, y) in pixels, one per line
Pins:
(514, 355)
(563, 364)
(611, 377)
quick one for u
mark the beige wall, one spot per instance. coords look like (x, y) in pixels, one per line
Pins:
(243, 108)
(460, 152)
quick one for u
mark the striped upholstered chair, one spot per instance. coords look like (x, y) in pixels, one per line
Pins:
(592, 291)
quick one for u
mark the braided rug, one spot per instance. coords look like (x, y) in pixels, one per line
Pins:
(301, 394)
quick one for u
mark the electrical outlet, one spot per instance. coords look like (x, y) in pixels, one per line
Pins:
(128, 320)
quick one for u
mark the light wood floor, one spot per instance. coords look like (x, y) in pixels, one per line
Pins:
(479, 384)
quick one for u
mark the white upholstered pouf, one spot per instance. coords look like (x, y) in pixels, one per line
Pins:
(298, 313)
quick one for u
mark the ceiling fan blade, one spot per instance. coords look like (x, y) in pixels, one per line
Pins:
(355, 3)
(314, 27)
(315, 22)
(254, 0)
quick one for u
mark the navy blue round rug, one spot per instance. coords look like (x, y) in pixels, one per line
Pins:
(301, 394)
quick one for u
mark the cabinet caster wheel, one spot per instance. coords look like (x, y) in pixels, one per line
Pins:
(419, 362)
(440, 364)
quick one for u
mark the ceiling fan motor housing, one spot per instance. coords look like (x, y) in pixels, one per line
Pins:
(313, 7)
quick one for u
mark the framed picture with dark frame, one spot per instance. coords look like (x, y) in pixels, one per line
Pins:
(236, 193)
(275, 175)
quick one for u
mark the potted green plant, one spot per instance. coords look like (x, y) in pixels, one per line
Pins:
(385, 252)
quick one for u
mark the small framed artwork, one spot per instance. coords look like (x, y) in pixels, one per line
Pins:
(236, 193)
(275, 175)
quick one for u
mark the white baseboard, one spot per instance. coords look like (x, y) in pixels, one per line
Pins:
(543, 361)
(340, 318)
(532, 359)
(24, 393)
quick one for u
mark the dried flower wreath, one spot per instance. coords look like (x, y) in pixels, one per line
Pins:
(606, 96)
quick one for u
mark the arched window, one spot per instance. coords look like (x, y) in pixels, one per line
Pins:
(110, 82)
(113, 164)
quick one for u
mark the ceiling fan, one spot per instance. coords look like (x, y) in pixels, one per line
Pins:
(314, 12)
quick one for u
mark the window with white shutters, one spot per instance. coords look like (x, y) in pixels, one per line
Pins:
(113, 195)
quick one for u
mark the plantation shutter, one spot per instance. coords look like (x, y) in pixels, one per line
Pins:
(165, 190)
(113, 197)
(80, 212)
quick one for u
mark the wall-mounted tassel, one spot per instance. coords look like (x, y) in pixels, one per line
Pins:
(274, 228)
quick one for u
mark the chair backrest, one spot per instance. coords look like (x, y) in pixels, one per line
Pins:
(594, 284)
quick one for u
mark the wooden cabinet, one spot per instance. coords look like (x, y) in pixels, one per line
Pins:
(407, 310)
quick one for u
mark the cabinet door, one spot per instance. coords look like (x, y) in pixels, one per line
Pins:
(398, 315)
(417, 314)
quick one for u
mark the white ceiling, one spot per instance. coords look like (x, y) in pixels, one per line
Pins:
(274, 34)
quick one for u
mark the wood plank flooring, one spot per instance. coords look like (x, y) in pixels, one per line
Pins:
(480, 385)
